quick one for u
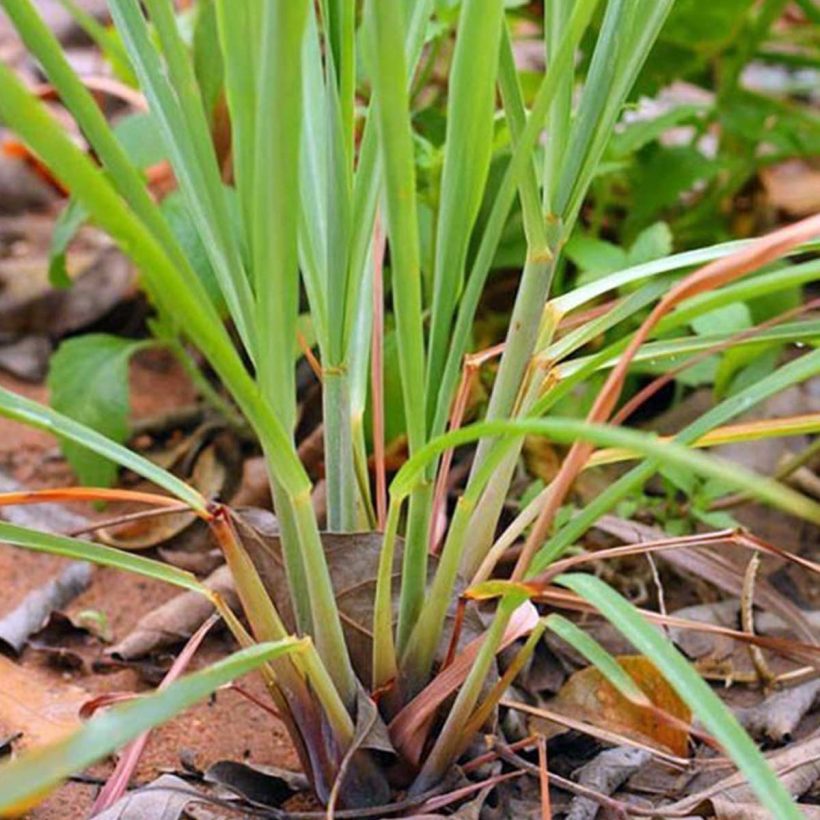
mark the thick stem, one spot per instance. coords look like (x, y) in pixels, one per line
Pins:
(339, 468)
(414, 564)
(446, 747)
(521, 336)
(327, 626)
(298, 585)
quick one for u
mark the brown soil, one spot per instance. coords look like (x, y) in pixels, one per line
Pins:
(228, 727)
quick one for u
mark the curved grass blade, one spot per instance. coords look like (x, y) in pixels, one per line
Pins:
(791, 373)
(28, 779)
(565, 431)
(98, 554)
(44, 418)
(586, 293)
(181, 118)
(691, 688)
(467, 151)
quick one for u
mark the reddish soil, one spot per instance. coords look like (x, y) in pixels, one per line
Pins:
(229, 727)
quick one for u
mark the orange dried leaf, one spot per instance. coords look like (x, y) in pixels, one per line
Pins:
(589, 695)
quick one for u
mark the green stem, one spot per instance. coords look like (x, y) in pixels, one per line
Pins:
(449, 738)
(339, 468)
(414, 563)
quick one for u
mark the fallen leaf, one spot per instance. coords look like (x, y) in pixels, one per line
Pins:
(605, 773)
(777, 717)
(43, 709)
(163, 799)
(262, 785)
(176, 620)
(33, 611)
(215, 474)
(587, 694)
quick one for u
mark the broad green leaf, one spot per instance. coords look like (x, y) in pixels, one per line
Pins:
(141, 139)
(594, 256)
(467, 151)
(24, 781)
(651, 243)
(693, 690)
(71, 219)
(680, 168)
(731, 318)
(88, 381)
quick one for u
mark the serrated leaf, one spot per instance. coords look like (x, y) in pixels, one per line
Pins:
(88, 380)
(71, 219)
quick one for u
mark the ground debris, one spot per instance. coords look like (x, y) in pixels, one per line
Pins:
(33, 611)
(164, 799)
(176, 620)
(605, 773)
(780, 714)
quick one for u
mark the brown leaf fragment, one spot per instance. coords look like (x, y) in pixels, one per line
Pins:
(26, 357)
(605, 773)
(163, 799)
(797, 766)
(730, 810)
(260, 785)
(176, 620)
(588, 695)
(780, 714)
(33, 611)
(42, 708)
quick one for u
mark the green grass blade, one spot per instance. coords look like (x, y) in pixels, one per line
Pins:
(276, 202)
(104, 39)
(193, 162)
(44, 418)
(34, 773)
(556, 17)
(126, 178)
(628, 33)
(676, 349)
(587, 293)
(791, 373)
(98, 554)
(520, 164)
(467, 151)
(691, 688)
(565, 431)
(602, 660)
(239, 26)
(392, 111)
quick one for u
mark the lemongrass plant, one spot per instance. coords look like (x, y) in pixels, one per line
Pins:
(315, 159)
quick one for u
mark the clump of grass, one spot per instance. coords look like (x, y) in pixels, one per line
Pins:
(313, 163)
